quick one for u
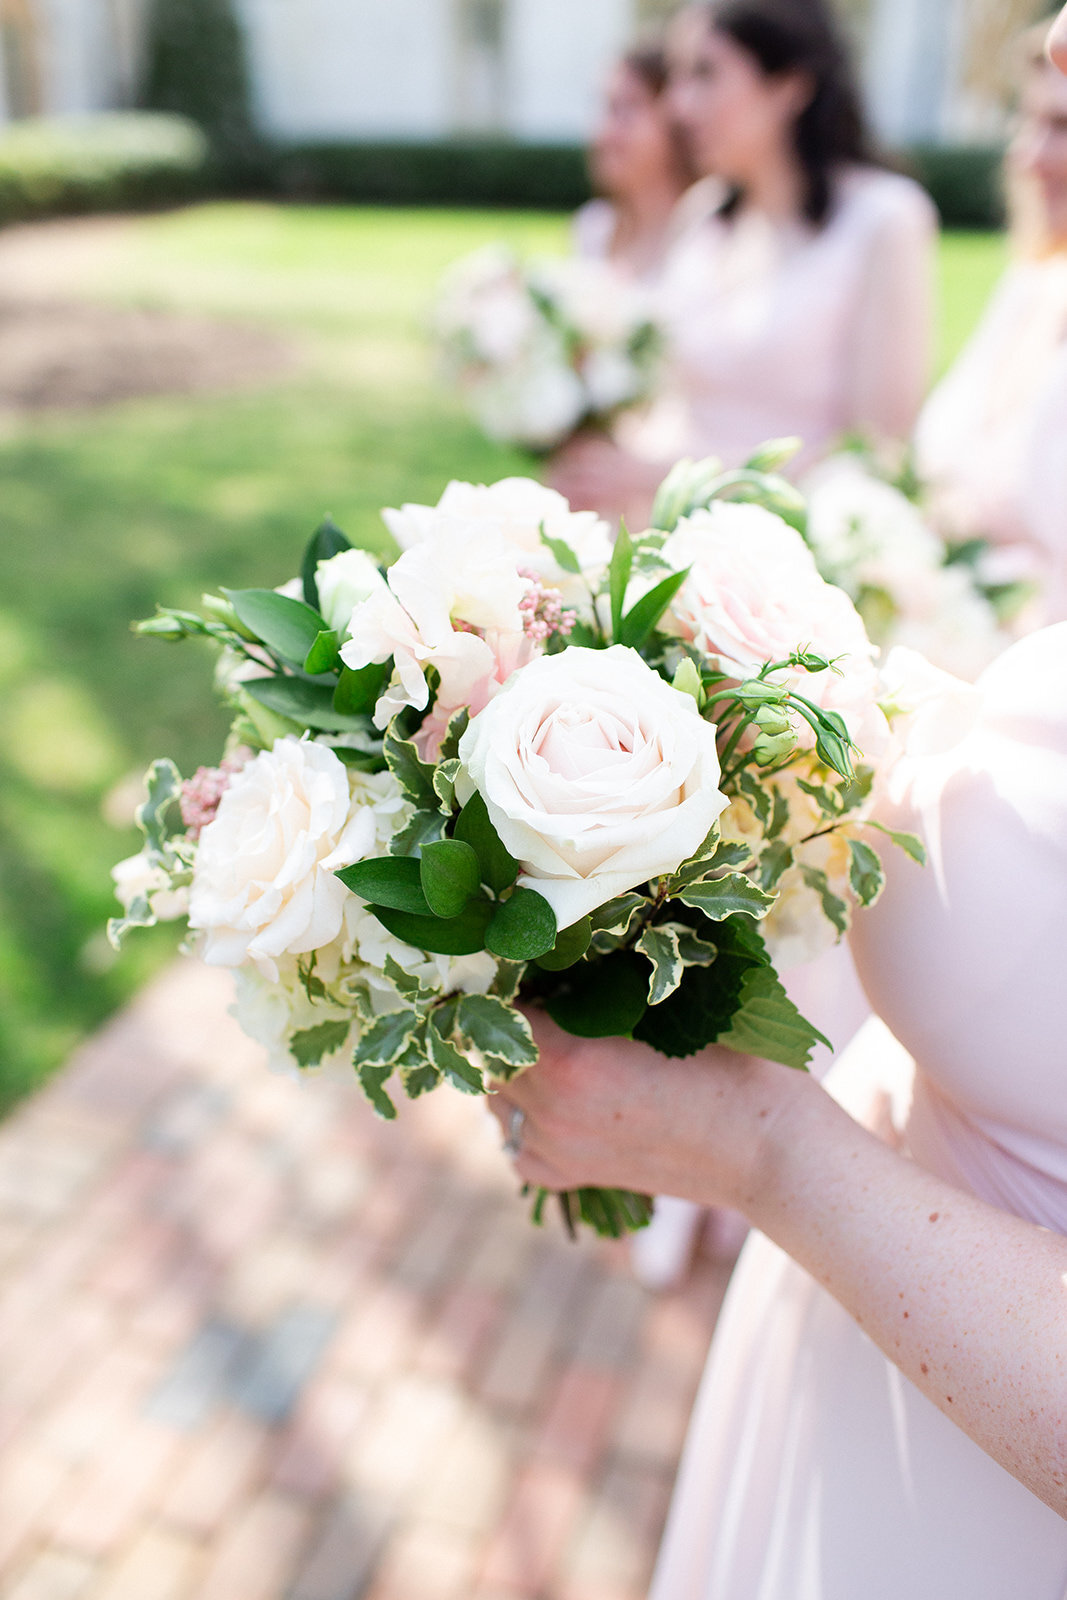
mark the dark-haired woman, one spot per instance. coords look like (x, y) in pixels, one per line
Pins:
(803, 306)
(640, 172)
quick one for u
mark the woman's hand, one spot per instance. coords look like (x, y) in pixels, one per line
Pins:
(594, 474)
(612, 1113)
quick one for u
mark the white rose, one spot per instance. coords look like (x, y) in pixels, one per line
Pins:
(263, 882)
(754, 595)
(866, 532)
(596, 773)
(344, 582)
(138, 878)
(271, 1011)
(514, 511)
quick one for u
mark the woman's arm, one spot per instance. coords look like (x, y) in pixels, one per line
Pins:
(969, 1302)
(890, 347)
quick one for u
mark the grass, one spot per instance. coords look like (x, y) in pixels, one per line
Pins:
(104, 513)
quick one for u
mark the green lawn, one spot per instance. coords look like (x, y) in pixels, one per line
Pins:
(105, 513)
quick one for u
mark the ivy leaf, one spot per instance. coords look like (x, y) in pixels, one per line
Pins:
(660, 947)
(714, 853)
(569, 947)
(499, 1032)
(406, 986)
(327, 541)
(522, 928)
(453, 936)
(499, 869)
(452, 1063)
(287, 627)
(775, 860)
(417, 1072)
(768, 1024)
(450, 877)
(565, 556)
(424, 828)
(908, 842)
(641, 620)
(865, 872)
(323, 655)
(372, 1081)
(414, 775)
(617, 915)
(163, 787)
(708, 997)
(834, 908)
(457, 727)
(731, 895)
(139, 914)
(393, 881)
(358, 689)
(308, 1047)
(694, 951)
(386, 1039)
(509, 975)
(602, 999)
(444, 782)
(622, 561)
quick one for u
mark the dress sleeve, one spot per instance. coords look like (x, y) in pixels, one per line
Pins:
(1045, 488)
(889, 354)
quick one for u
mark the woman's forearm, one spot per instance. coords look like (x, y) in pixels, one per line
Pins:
(969, 1302)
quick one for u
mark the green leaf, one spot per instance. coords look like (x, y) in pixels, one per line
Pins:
(834, 908)
(660, 947)
(407, 987)
(767, 1024)
(287, 627)
(308, 1047)
(327, 541)
(775, 860)
(602, 999)
(705, 1002)
(508, 980)
(455, 936)
(641, 620)
(501, 1033)
(865, 872)
(372, 1081)
(386, 1039)
(617, 915)
(424, 828)
(569, 947)
(311, 705)
(413, 774)
(163, 787)
(714, 854)
(450, 877)
(457, 727)
(393, 881)
(565, 556)
(523, 927)
(444, 781)
(731, 895)
(908, 842)
(774, 455)
(499, 869)
(452, 1063)
(138, 915)
(694, 951)
(622, 561)
(358, 690)
(323, 656)
(417, 1072)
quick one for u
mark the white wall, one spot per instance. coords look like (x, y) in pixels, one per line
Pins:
(557, 54)
(351, 68)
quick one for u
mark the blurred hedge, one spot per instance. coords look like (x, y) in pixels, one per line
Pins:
(113, 161)
(964, 180)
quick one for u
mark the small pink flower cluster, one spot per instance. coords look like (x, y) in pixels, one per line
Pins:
(202, 792)
(542, 611)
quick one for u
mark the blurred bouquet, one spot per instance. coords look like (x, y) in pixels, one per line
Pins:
(953, 603)
(543, 348)
(524, 764)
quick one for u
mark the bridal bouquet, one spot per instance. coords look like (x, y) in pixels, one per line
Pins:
(949, 602)
(543, 348)
(524, 764)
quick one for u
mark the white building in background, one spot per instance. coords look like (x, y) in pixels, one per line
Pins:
(529, 69)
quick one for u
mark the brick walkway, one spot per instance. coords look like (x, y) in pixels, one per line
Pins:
(254, 1345)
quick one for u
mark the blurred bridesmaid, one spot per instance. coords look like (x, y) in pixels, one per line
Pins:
(803, 306)
(993, 437)
(644, 182)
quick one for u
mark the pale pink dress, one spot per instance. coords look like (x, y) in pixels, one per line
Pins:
(593, 230)
(785, 329)
(992, 439)
(814, 1470)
